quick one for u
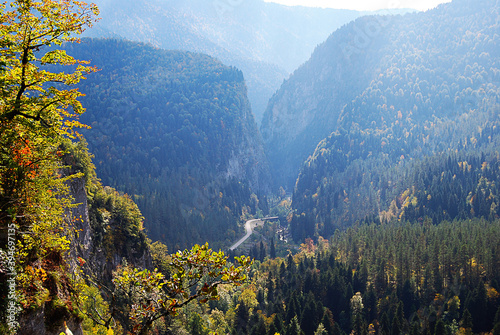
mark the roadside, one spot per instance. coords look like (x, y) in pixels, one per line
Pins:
(250, 225)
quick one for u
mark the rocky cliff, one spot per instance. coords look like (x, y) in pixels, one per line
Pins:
(307, 106)
(90, 249)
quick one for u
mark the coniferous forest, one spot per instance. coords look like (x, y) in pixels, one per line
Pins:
(177, 134)
(128, 172)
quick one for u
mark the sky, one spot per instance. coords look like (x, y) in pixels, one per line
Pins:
(364, 4)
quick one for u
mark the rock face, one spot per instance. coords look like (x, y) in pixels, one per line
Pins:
(308, 105)
(34, 323)
(86, 226)
(100, 262)
(83, 236)
(248, 162)
(47, 320)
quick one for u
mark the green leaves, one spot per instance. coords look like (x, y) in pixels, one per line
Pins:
(37, 112)
(57, 57)
(29, 92)
(197, 272)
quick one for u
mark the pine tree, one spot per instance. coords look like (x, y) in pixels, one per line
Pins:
(385, 328)
(276, 325)
(496, 329)
(259, 328)
(272, 251)
(327, 321)
(396, 326)
(262, 251)
(467, 321)
(311, 315)
(196, 325)
(321, 330)
(415, 325)
(440, 328)
(293, 307)
(294, 327)
(241, 319)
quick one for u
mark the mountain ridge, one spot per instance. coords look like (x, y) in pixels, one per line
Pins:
(346, 69)
(174, 130)
(265, 40)
(385, 94)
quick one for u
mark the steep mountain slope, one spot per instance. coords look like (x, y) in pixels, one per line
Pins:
(103, 228)
(175, 130)
(424, 84)
(266, 41)
(364, 68)
(307, 106)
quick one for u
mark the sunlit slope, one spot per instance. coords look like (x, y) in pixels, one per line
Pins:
(385, 92)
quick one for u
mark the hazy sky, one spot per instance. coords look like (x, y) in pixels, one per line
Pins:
(364, 4)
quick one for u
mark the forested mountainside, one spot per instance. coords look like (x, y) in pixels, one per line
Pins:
(395, 79)
(390, 279)
(266, 41)
(175, 131)
(413, 162)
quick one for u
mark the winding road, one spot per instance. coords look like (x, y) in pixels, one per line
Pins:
(250, 225)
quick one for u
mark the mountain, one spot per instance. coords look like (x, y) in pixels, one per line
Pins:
(355, 65)
(307, 106)
(175, 131)
(386, 92)
(265, 40)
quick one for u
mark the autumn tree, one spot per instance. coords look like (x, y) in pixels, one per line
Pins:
(196, 275)
(29, 93)
(38, 109)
